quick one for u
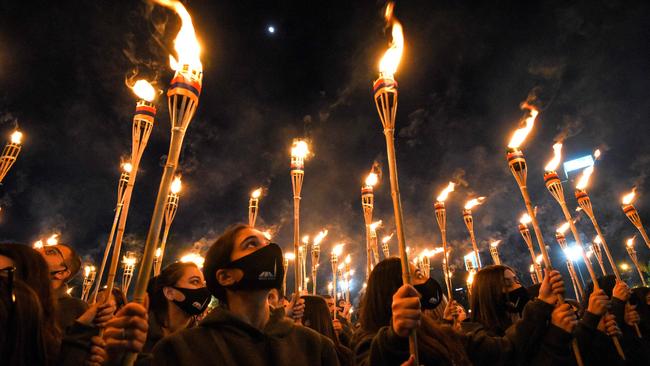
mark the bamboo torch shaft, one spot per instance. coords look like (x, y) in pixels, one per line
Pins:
(610, 259)
(536, 229)
(296, 245)
(163, 244)
(109, 244)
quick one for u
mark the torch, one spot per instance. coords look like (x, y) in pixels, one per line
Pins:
(315, 258)
(193, 257)
(525, 233)
(441, 218)
(143, 120)
(554, 186)
(385, 245)
(89, 278)
(561, 240)
(287, 257)
(183, 99)
(368, 204)
(425, 260)
(595, 248)
(585, 203)
(494, 251)
(633, 215)
(121, 188)
(334, 259)
(302, 250)
(630, 250)
(533, 274)
(156, 260)
(471, 264)
(171, 206)
(128, 264)
(348, 260)
(373, 250)
(299, 152)
(10, 153)
(469, 222)
(253, 206)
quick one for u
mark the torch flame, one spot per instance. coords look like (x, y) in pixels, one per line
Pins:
(532, 268)
(539, 259)
(557, 156)
(127, 167)
(563, 228)
(144, 90)
(584, 178)
(300, 149)
(598, 240)
(630, 242)
(321, 235)
(128, 260)
(305, 239)
(193, 258)
(474, 202)
(337, 250)
(470, 277)
(186, 45)
(38, 244)
(525, 219)
(289, 256)
(52, 240)
(16, 137)
(88, 269)
(387, 238)
(158, 252)
(267, 234)
(597, 154)
(371, 179)
(256, 193)
(445, 192)
(628, 198)
(176, 185)
(495, 243)
(375, 225)
(390, 61)
(520, 134)
(348, 259)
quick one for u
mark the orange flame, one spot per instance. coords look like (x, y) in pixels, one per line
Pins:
(144, 90)
(321, 235)
(628, 198)
(375, 225)
(597, 154)
(584, 178)
(371, 179)
(256, 193)
(390, 61)
(186, 45)
(127, 167)
(557, 157)
(193, 258)
(386, 238)
(16, 137)
(525, 219)
(495, 243)
(598, 240)
(338, 249)
(539, 259)
(289, 256)
(474, 202)
(563, 228)
(630, 242)
(442, 197)
(176, 185)
(300, 149)
(520, 134)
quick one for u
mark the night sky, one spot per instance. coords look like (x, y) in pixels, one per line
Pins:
(467, 67)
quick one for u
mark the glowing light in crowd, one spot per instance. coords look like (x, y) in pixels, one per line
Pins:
(495, 243)
(584, 178)
(127, 167)
(256, 193)
(390, 61)
(563, 228)
(144, 90)
(628, 198)
(319, 238)
(186, 45)
(525, 219)
(16, 137)
(176, 185)
(386, 238)
(371, 179)
(52, 240)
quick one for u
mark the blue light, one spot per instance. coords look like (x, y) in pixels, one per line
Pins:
(578, 164)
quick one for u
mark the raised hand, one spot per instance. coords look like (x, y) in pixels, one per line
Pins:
(564, 318)
(406, 310)
(551, 287)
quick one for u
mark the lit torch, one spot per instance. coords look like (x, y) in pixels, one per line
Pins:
(629, 245)
(171, 206)
(374, 251)
(632, 214)
(89, 278)
(287, 257)
(525, 233)
(253, 206)
(385, 95)
(156, 259)
(299, 152)
(469, 222)
(315, 258)
(128, 265)
(183, 99)
(561, 240)
(533, 274)
(10, 153)
(193, 257)
(494, 251)
(121, 188)
(441, 218)
(368, 204)
(585, 203)
(348, 261)
(595, 248)
(334, 259)
(385, 245)
(143, 121)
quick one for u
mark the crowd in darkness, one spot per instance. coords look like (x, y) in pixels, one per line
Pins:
(233, 312)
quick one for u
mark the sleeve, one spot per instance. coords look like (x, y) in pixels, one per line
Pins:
(387, 348)
(75, 345)
(165, 353)
(595, 346)
(329, 356)
(556, 348)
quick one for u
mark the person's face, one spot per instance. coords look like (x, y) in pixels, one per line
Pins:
(246, 241)
(55, 256)
(331, 304)
(511, 281)
(416, 275)
(6, 262)
(192, 278)
(274, 298)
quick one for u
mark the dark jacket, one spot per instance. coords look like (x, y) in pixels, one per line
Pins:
(68, 308)
(223, 339)
(519, 343)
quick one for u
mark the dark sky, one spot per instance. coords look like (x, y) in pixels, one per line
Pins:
(467, 67)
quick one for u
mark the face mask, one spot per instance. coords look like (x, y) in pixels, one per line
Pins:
(431, 294)
(262, 269)
(196, 300)
(516, 300)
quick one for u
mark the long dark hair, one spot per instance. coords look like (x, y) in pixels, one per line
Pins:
(317, 317)
(22, 339)
(437, 343)
(488, 302)
(32, 269)
(218, 257)
(168, 277)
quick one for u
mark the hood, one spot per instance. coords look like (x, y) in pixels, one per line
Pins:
(279, 325)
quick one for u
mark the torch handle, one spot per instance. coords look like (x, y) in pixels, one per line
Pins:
(605, 246)
(538, 231)
(296, 244)
(576, 236)
(163, 244)
(109, 244)
(644, 234)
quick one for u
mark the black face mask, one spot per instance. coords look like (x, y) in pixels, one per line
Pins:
(263, 269)
(431, 294)
(196, 300)
(516, 300)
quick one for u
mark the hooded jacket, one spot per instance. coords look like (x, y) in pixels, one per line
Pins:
(223, 339)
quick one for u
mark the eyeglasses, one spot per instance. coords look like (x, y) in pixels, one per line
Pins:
(10, 282)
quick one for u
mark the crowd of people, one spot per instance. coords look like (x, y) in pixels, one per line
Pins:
(233, 312)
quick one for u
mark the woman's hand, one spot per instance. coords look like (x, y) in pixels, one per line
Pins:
(406, 310)
(564, 318)
(621, 291)
(552, 286)
(598, 303)
(632, 317)
(97, 314)
(127, 331)
(608, 326)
